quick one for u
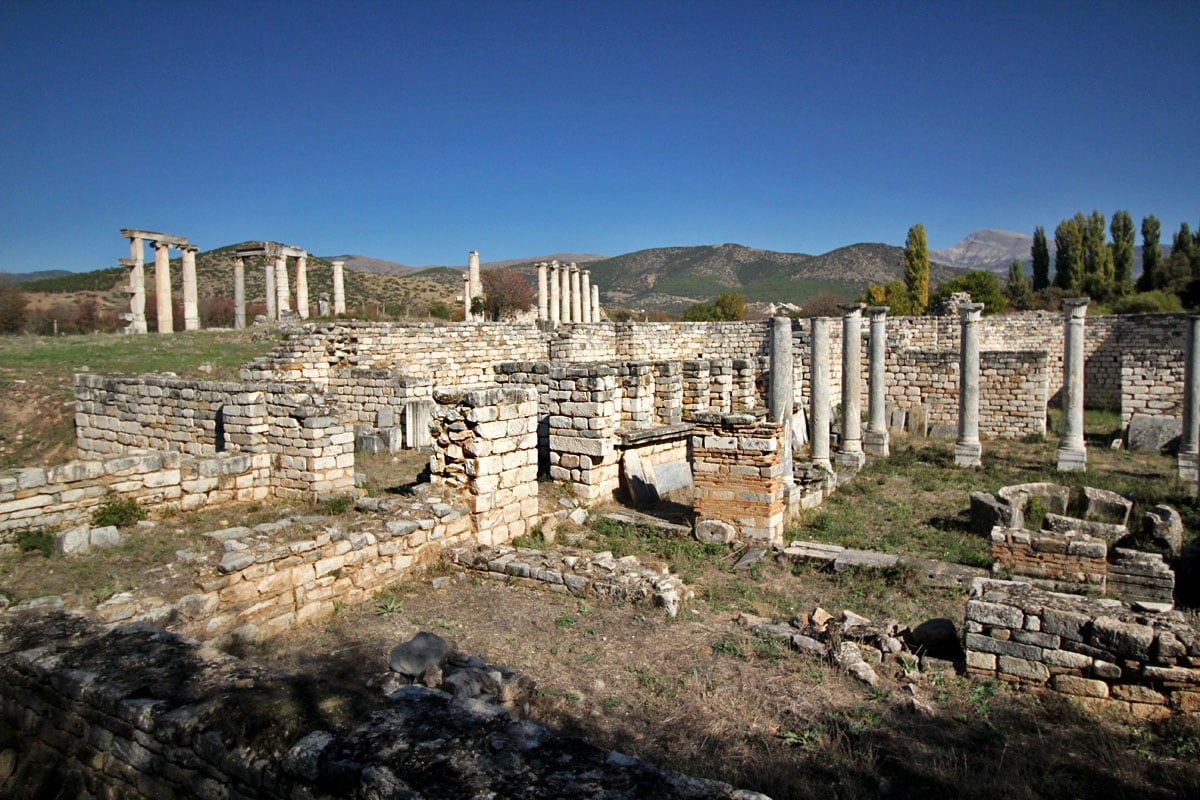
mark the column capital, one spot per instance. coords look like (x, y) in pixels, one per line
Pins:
(970, 312)
(161, 245)
(853, 309)
(338, 263)
(190, 248)
(1075, 307)
(574, 267)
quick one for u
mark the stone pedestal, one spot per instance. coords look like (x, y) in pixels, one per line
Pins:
(585, 295)
(283, 302)
(555, 309)
(543, 293)
(239, 293)
(339, 287)
(1072, 451)
(162, 287)
(302, 286)
(576, 300)
(968, 452)
(269, 288)
(819, 394)
(850, 455)
(876, 439)
(782, 397)
(137, 287)
(1189, 442)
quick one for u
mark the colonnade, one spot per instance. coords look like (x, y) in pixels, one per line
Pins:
(566, 294)
(276, 290)
(164, 310)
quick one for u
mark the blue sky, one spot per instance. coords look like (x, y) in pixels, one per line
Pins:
(415, 132)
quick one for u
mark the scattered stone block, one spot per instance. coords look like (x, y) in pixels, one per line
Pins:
(1100, 505)
(1162, 526)
(1153, 434)
(714, 531)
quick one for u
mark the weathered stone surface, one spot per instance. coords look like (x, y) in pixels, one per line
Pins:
(1101, 505)
(1153, 433)
(418, 654)
(713, 531)
(1163, 528)
(234, 562)
(988, 511)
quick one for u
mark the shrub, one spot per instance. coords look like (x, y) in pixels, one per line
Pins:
(35, 540)
(120, 513)
(338, 505)
(1156, 302)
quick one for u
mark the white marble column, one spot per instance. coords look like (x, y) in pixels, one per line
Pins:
(283, 301)
(473, 272)
(162, 287)
(850, 455)
(818, 443)
(466, 296)
(1072, 450)
(596, 304)
(302, 286)
(339, 287)
(1188, 462)
(876, 440)
(269, 287)
(239, 293)
(781, 395)
(576, 299)
(555, 295)
(137, 286)
(585, 295)
(565, 293)
(191, 300)
(968, 452)
(542, 290)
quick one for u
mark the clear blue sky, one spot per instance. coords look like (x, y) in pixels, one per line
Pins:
(418, 131)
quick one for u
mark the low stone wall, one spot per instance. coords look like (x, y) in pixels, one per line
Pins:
(1064, 562)
(737, 469)
(69, 493)
(1096, 650)
(584, 414)
(1152, 383)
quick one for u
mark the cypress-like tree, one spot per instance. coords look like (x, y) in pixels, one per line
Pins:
(1068, 253)
(1041, 259)
(916, 268)
(1122, 252)
(1020, 296)
(1151, 254)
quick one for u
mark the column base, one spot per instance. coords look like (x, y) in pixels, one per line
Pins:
(1188, 466)
(847, 460)
(968, 455)
(877, 444)
(1072, 460)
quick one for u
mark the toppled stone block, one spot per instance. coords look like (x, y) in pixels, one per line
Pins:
(1101, 505)
(1162, 527)
(988, 511)
(1153, 434)
(713, 531)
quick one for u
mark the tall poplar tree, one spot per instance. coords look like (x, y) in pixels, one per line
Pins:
(916, 268)
(1122, 252)
(1151, 254)
(1068, 253)
(1020, 297)
(1041, 259)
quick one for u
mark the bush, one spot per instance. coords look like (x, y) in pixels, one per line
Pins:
(1156, 302)
(12, 308)
(120, 513)
(33, 540)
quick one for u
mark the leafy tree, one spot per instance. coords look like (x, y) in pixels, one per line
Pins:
(1020, 296)
(893, 294)
(1122, 253)
(1153, 302)
(439, 310)
(701, 312)
(983, 287)
(1151, 254)
(1097, 258)
(730, 305)
(916, 268)
(12, 308)
(506, 292)
(1041, 259)
(1068, 253)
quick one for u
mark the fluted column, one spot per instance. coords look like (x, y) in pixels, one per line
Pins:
(302, 286)
(576, 299)
(876, 440)
(283, 298)
(850, 455)
(473, 273)
(968, 452)
(781, 394)
(239, 293)
(555, 295)
(162, 287)
(542, 290)
(191, 301)
(137, 286)
(596, 304)
(1188, 463)
(339, 287)
(1072, 451)
(565, 293)
(585, 295)
(818, 443)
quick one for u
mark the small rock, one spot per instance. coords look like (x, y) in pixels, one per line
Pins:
(850, 621)
(578, 516)
(809, 645)
(234, 561)
(890, 644)
(750, 557)
(863, 672)
(846, 654)
(750, 620)
(714, 531)
(432, 676)
(413, 657)
(820, 618)
(303, 760)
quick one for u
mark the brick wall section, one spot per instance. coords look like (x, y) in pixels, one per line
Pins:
(69, 493)
(680, 341)
(485, 446)
(1070, 562)
(737, 474)
(584, 415)
(312, 451)
(1098, 651)
(362, 392)
(1151, 383)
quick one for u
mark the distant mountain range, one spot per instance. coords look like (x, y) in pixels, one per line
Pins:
(990, 250)
(378, 266)
(24, 277)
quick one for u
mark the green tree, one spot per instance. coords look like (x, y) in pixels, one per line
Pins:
(1122, 253)
(916, 268)
(983, 287)
(1020, 296)
(893, 294)
(1068, 253)
(1041, 259)
(440, 310)
(701, 312)
(1097, 258)
(730, 305)
(1151, 254)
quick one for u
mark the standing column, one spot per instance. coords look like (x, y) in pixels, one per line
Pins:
(302, 286)
(782, 392)
(191, 303)
(876, 440)
(968, 452)
(162, 287)
(339, 287)
(269, 287)
(239, 293)
(1072, 452)
(585, 295)
(283, 303)
(467, 296)
(576, 303)
(543, 299)
(555, 298)
(850, 455)
(1188, 462)
(473, 272)
(137, 287)
(596, 303)
(565, 293)
(818, 444)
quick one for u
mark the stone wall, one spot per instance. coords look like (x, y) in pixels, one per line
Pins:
(68, 494)
(737, 474)
(1151, 383)
(1064, 562)
(1096, 650)
(584, 414)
